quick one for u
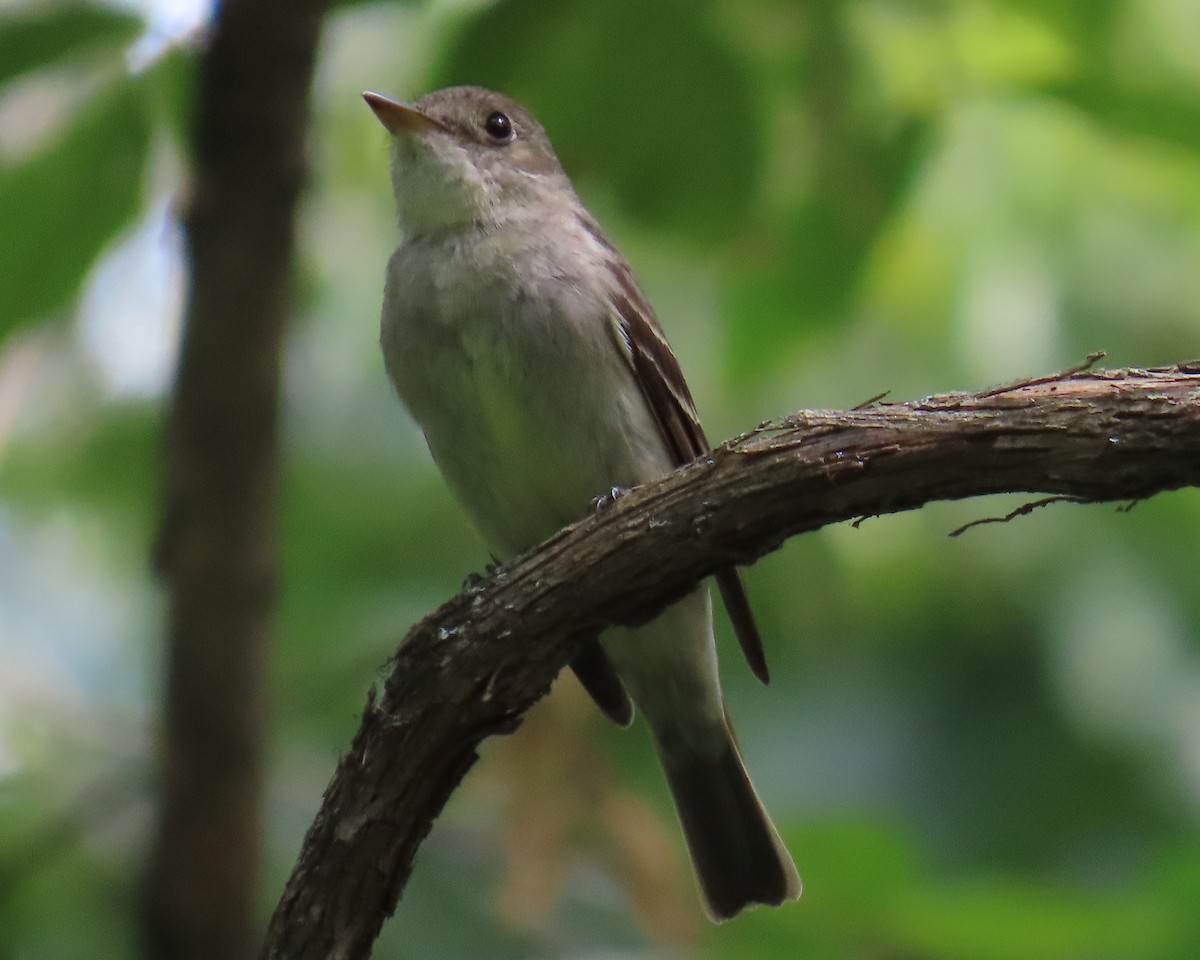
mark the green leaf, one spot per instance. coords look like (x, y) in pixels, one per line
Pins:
(1088, 25)
(43, 36)
(170, 84)
(1170, 115)
(997, 919)
(645, 96)
(60, 207)
(800, 278)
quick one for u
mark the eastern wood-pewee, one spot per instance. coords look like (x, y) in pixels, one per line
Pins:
(517, 337)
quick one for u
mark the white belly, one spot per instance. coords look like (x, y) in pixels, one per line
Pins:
(528, 415)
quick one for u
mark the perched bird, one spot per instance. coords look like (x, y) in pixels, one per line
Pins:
(517, 337)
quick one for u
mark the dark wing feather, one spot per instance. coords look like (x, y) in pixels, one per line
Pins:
(737, 605)
(599, 678)
(662, 383)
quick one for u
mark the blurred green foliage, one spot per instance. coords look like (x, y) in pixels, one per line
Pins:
(35, 38)
(637, 85)
(986, 747)
(70, 199)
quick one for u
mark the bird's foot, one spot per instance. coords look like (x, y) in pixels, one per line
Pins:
(606, 500)
(475, 581)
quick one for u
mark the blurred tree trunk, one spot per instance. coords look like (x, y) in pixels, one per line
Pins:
(217, 547)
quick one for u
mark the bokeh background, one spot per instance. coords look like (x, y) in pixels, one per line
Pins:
(977, 748)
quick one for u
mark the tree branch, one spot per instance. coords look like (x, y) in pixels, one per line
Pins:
(471, 668)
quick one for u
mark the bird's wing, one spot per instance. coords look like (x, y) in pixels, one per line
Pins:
(662, 384)
(599, 678)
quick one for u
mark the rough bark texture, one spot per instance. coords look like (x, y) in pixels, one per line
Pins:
(216, 549)
(472, 668)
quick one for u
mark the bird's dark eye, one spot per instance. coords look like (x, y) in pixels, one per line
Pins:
(498, 126)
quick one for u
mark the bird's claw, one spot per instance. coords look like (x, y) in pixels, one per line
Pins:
(475, 581)
(606, 500)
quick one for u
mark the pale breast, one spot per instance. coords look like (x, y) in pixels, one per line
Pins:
(527, 404)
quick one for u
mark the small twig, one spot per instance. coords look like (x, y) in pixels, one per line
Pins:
(1022, 511)
(1092, 360)
(872, 401)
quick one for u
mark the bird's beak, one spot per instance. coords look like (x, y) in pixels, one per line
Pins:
(400, 117)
